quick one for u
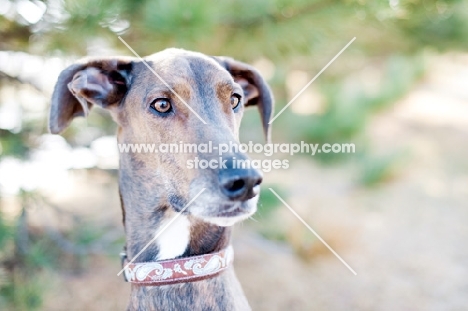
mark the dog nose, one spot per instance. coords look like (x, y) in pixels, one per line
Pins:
(240, 184)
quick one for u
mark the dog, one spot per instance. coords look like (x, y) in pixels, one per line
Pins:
(174, 96)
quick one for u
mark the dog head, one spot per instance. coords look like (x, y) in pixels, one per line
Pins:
(177, 99)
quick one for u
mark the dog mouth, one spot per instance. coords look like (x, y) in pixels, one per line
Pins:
(227, 218)
(237, 211)
(217, 210)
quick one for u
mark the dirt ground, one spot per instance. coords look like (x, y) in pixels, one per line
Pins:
(406, 239)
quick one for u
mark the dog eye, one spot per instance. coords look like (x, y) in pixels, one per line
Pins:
(235, 100)
(161, 105)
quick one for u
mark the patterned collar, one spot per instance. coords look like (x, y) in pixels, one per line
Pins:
(174, 271)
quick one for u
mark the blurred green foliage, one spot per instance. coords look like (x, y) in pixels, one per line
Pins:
(29, 256)
(252, 28)
(12, 144)
(264, 220)
(377, 169)
(350, 105)
(268, 202)
(20, 277)
(246, 29)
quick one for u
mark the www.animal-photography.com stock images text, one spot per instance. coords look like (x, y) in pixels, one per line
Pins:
(300, 155)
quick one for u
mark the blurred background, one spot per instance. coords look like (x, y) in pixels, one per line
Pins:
(396, 210)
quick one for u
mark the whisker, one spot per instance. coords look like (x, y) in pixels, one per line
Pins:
(251, 217)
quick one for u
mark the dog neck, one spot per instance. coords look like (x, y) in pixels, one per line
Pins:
(144, 218)
(166, 233)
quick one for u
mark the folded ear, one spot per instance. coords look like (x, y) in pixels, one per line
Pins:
(256, 90)
(102, 82)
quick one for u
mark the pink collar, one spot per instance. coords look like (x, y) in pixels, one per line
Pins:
(182, 270)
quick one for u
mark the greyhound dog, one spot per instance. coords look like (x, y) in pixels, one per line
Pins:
(164, 98)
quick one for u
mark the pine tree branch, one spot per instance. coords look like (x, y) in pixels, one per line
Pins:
(278, 17)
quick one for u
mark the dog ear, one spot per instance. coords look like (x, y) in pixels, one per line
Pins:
(102, 82)
(255, 88)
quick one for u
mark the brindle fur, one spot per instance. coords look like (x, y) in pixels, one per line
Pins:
(154, 187)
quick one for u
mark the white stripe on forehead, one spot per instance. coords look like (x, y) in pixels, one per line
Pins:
(175, 55)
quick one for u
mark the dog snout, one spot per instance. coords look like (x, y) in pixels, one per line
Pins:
(240, 184)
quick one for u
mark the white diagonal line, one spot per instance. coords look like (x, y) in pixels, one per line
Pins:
(312, 230)
(313, 79)
(159, 77)
(160, 232)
